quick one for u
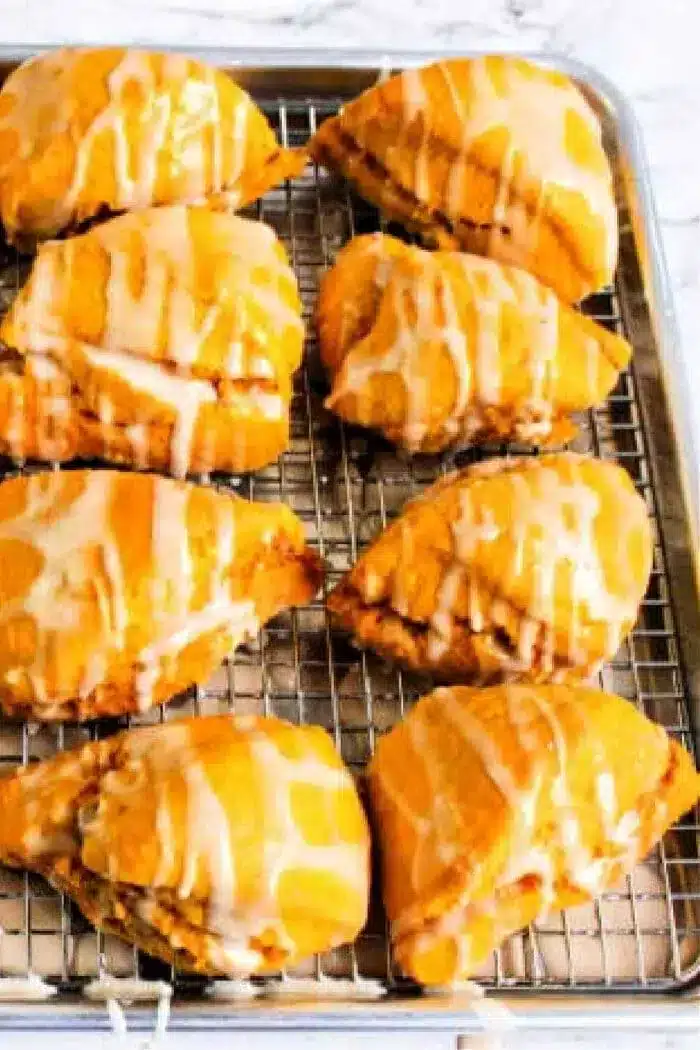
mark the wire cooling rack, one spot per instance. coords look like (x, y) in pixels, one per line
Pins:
(346, 485)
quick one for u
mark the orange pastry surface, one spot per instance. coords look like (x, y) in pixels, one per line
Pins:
(223, 845)
(529, 568)
(494, 806)
(119, 590)
(89, 131)
(441, 348)
(166, 338)
(492, 155)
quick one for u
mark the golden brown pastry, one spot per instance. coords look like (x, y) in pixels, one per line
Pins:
(119, 590)
(166, 339)
(492, 155)
(86, 132)
(529, 568)
(519, 800)
(224, 845)
(442, 348)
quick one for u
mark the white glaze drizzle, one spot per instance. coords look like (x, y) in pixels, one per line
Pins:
(51, 601)
(163, 316)
(442, 620)
(126, 989)
(536, 143)
(527, 857)
(175, 120)
(165, 831)
(581, 869)
(240, 122)
(286, 847)
(208, 838)
(172, 561)
(209, 848)
(475, 525)
(113, 991)
(237, 618)
(185, 396)
(486, 748)
(438, 831)
(552, 540)
(555, 525)
(217, 161)
(56, 599)
(434, 284)
(31, 988)
(139, 443)
(42, 370)
(115, 615)
(620, 830)
(416, 106)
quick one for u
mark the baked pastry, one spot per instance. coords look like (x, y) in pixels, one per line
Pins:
(166, 338)
(529, 568)
(120, 590)
(492, 155)
(223, 845)
(86, 132)
(442, 348)
(520, 800)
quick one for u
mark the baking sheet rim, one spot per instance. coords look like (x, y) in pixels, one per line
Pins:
(529, 1010)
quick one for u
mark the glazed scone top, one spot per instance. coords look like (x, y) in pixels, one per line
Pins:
(182, 305)
(513, 769)
(86, 129)
(99, 568)
(547, 556)
(492, 154)
(521, 799)
(561, 150)
(423, 344)
(563, 538)
(247, 829)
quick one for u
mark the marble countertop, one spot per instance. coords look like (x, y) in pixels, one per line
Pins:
(647, 47)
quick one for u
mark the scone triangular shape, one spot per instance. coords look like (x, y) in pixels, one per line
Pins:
(443, 348)
(89, 131)
(495, 806)
(120, 590)
(166, 339)
(492, 155)
(222, 845)
(528, 568)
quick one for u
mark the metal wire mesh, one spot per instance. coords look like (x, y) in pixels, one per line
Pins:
(346, 485)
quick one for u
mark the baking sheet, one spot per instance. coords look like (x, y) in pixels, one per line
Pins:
(346, 484)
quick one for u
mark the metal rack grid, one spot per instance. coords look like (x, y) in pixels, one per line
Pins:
(346, 485)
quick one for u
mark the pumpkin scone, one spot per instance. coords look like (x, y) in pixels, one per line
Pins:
(529, 568)
(492, 155)
(520, 800)
(119, 590)
(166, 338)
(444, 348)
(87, 132)
(223, 845)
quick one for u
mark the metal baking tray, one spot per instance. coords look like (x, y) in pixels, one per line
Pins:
(633, 957)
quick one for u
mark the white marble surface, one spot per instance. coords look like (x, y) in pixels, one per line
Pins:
(648, 47)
